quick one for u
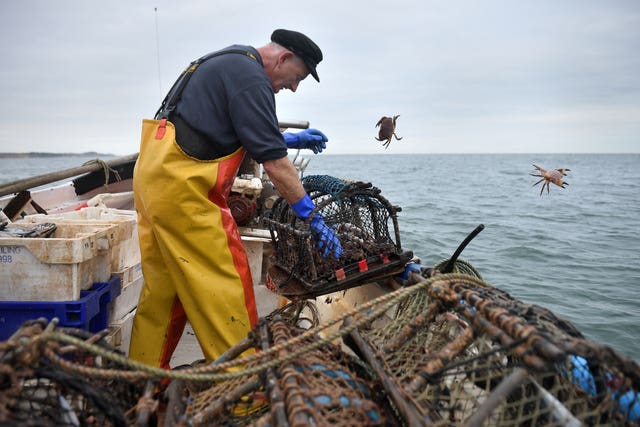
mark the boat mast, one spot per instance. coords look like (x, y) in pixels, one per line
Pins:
(158, 52)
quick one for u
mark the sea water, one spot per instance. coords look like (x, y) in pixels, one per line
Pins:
(575, 250)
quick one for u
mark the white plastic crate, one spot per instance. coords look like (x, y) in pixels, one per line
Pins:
(120, 332)
(129, 274)
(125, 252)
(56, 268)
(127, 300)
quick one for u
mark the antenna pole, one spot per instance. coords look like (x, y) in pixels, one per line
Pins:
(158, 52)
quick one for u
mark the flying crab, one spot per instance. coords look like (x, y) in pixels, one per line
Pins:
(552, 176)
(387, 130)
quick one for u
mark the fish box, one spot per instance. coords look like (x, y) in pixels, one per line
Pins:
(90, 312)
(120, 332)
(56, 268)
(127, 300)
(129, 274)
(125, 251)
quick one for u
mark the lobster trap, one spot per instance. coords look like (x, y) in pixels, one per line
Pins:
(360, 218)
(36, 389)
(323, 386)
(461, 352)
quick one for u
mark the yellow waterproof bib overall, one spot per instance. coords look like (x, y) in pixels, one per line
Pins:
(194, 265)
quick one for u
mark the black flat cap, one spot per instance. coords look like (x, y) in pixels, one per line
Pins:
(302, 46)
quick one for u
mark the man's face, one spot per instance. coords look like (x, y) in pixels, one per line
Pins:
(289, 71)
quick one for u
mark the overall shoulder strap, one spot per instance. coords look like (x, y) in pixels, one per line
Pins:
(173, 96)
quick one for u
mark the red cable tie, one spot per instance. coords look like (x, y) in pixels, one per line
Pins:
(340, 274)
(362, 265)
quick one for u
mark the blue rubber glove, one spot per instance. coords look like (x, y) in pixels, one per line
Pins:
(326, 240)
(412, 267)
(311, 139)
(582, 376)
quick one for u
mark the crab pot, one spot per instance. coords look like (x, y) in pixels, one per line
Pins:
(365, 223)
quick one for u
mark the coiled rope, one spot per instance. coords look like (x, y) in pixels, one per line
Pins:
(105, 168)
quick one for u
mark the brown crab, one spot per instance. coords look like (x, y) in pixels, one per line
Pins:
(387, 130)
(553, 176)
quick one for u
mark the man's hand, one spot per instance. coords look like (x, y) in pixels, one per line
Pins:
(311, 139)
(326, 240)
(324, 236)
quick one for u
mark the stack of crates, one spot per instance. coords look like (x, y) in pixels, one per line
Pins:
(109, 241)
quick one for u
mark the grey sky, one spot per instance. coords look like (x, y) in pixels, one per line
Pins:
(465, 76)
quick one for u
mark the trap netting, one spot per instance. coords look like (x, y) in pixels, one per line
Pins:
(322, 387)
(360, 218)
(35, 391)
(460, 352)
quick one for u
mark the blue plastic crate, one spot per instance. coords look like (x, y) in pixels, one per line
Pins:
(90, 312)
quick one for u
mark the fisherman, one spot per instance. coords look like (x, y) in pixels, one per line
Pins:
(194, 265)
